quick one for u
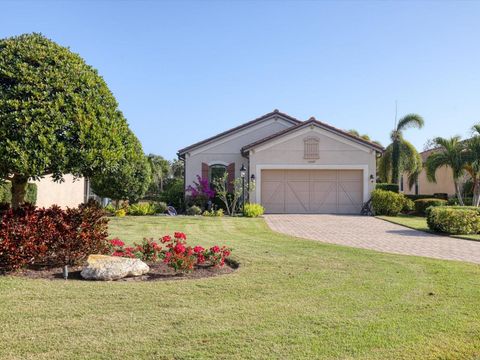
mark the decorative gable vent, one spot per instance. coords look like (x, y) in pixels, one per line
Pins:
(311, 148)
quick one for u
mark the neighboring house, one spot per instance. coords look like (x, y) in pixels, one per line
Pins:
(443, 185)
(298, 166)
(69, 193)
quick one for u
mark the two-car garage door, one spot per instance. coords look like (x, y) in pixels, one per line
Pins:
(312, 191)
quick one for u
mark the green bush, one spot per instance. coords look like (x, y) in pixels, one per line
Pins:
(387, 187)
(253, 210)
(160, 207)
(455, 220)
(426, 196)
(141, 209)
(387, 202)
(110, 209)
(408, 206)
(454, 201)
(194, 210)
(174, 194)
(421, 205)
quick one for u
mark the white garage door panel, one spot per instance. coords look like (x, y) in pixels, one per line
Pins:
(312, 191)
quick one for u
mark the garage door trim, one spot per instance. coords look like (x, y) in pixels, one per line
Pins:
(259, 168)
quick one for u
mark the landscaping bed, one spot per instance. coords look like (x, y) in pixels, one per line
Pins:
(159, 271)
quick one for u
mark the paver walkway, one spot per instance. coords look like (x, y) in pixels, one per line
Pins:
(370, 233)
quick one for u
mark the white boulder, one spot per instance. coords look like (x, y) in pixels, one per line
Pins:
(103, 267)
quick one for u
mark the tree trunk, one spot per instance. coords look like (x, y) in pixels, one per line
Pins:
(396, 162)
(459, 194)
(19, 190)
(476, 192)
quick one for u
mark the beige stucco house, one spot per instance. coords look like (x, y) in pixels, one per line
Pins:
(443, 185)
(298, 166)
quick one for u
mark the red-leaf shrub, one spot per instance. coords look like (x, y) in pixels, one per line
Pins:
(178, 254)
(51, 237)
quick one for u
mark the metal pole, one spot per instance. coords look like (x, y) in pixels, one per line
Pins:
(243, 195)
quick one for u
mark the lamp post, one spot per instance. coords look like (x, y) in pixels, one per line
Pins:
(243, 173)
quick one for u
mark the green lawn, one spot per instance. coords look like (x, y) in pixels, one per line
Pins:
(420, 223)
(291, 299)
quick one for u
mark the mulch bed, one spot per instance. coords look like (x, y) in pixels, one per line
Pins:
(158, 272)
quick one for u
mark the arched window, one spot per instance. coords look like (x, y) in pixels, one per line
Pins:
(311, 148)
(216, 171)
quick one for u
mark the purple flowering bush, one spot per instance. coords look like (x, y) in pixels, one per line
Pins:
(201, 192)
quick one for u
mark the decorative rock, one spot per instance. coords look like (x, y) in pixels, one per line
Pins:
(102, 267)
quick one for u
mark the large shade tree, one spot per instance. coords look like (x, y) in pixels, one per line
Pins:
(57, 114)
(450, 153)
(400, 154)
(128, 181)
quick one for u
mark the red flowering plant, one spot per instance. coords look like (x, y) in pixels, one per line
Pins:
(177, 253)
(216, 255)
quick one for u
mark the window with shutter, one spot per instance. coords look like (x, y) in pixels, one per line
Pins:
(311, 148)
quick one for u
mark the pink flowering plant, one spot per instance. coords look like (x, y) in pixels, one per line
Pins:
(177, 254)
(201, 192)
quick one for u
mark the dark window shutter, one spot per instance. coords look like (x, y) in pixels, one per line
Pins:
(231, 176)
(205, 171)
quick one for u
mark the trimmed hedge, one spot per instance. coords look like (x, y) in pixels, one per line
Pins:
(6, 193)
(427, 196)
(387, 202)
(455, 220)
(454, 201)
(387, 187)
(421, 205)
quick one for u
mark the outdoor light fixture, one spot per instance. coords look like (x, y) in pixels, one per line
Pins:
(371, 178)
(243, 172)
(252, 177)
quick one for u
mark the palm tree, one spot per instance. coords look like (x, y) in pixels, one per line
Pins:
(410, 163)
(472, 146)
(408, 121)
(451, 153)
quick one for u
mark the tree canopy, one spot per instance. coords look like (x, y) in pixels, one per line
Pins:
(130, 180)
(57, 114)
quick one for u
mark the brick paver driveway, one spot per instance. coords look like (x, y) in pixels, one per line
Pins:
(370, 233)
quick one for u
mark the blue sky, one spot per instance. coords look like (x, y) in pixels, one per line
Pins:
(183, 71)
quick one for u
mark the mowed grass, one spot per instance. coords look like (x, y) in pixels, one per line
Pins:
(420, 223)
(290, 299)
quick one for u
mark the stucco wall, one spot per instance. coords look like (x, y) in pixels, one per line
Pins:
(444, 183)
(69, 193)
(227, 150)
(336, 152)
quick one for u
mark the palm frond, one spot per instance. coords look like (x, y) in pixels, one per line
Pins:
(451, 153)
(410, 121)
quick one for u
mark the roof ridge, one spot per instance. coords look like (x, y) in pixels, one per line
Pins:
(239, 127)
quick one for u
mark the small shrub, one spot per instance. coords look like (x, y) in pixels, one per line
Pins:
(141, 209)
(51, 237)
(213, 213)
(194, 210)
(253, 210)
(387, 202)
(160, 207)
(120, 213)
(147, 250)
(387, 187)
(421, 205)
(110, 209)
(455, 220)
(408, 206)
